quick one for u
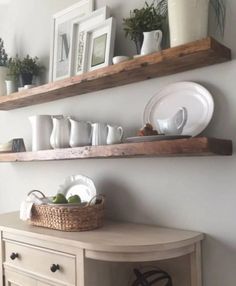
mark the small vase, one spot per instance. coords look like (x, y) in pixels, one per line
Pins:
(26, 78)
(3, 76)
(151, 42)
(11, 86)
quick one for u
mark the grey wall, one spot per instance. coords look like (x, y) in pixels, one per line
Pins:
(192, 193)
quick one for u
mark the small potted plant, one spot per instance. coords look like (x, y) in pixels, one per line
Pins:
(29, 67)
(12, 81)
(149, 18)
(3, 68)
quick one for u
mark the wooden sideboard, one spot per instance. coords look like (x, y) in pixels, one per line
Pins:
(38, 256)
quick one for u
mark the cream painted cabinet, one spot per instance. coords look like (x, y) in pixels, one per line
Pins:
(34, 256)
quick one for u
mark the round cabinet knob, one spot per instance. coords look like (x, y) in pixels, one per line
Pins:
(55, 267)
(14, 255)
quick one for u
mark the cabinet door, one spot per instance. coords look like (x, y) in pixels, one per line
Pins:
(15, 279)
(43, 284)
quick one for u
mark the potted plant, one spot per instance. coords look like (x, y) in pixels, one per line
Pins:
(188, 19)
(12, 81)
(149, 18)
(3, 68)
(29, 67)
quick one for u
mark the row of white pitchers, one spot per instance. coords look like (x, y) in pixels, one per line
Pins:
(62, 132)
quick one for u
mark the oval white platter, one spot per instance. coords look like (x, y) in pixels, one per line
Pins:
(194, 97)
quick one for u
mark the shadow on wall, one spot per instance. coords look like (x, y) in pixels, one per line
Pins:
(121, 203)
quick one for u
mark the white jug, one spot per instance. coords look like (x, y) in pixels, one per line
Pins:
(99, 134)
(173, 125)
(80, 134)
(151, 42)
(115, 134)
(41, 131)
(60, 136)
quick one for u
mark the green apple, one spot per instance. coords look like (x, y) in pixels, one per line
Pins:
(74, 199)
(59, 199)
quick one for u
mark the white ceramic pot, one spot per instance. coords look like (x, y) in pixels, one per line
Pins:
(114, 135)
(3, 76)
(60, 136)
(11, 86)
(99, 134)
(41, 131)
(80, 134)
(188, 20)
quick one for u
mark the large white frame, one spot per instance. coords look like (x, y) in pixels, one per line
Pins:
(79, 36)
(65, 17)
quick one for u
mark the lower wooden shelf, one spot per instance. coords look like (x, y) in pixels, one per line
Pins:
(200, 146)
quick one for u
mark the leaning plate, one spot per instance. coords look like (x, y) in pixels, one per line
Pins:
(194, 97)
(154, 138)
(78, 185)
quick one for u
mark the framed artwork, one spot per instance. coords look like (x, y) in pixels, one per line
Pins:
(61, 48)
(79, 38)
(100, 42)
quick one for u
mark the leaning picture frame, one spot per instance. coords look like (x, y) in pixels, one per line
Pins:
(100, 43)
(79, 36)
(61, 38)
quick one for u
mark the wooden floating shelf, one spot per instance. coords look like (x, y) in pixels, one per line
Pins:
(200, 146)
(170, 61)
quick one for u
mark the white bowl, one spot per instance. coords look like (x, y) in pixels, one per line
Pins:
(119, 59)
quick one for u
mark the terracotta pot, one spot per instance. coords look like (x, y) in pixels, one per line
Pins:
(188, 20)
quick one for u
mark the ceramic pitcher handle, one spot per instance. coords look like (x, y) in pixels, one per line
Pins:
(184, 119)
(158, 36)
(121, 132)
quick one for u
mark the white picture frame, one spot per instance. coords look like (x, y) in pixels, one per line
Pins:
(100, 43)
(61, 49)
(79, 38)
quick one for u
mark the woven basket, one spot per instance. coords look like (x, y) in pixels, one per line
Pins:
(71, 218)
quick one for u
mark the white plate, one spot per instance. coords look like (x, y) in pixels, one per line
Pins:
(154, 138)
(194, 97)
(78, 185)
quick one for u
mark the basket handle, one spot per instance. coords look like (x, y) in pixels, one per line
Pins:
(101, 197)
(36, 191)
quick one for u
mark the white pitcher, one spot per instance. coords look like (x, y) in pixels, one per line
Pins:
(99, 134)
(80, 134)
(60, 136)
(115, 134)
(151, 42)
(173, 125)
(41, 131)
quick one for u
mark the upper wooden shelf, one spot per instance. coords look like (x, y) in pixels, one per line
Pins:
(170, 61)
(200, 146)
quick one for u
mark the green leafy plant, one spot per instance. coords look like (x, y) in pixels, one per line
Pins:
(14, 66)
(3, 54)
(150, 17)
(30, 65)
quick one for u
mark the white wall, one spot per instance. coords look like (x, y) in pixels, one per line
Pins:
(192, 193)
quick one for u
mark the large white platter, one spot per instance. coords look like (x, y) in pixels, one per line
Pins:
(195, 98)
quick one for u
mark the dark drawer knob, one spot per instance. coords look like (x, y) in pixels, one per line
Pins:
(55, 267)
(14, 256)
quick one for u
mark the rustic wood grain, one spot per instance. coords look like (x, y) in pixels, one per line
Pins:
(201, 146)
(170, 61)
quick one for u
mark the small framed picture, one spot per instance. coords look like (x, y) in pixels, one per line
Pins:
(61, 48)
(79, 38)
(100, 42)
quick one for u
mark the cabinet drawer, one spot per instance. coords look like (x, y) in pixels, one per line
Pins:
(45, 263)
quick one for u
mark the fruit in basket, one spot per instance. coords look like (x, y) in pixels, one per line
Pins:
(74, 199)
(59, 199)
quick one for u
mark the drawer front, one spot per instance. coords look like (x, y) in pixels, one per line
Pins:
(52, 265)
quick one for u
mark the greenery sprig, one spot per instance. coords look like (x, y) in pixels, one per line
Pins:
(3, 54)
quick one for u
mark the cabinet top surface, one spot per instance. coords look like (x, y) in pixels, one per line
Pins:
(113, 236)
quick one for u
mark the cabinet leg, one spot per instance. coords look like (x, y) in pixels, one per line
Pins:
(80, 267)
(196, 266)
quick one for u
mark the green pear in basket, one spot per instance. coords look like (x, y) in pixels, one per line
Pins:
(59, 199)
(74, 199)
